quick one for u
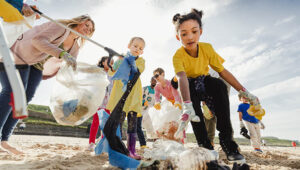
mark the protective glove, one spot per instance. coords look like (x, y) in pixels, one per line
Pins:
(252, 99)
(188, 114)
(70, 60)
(157, 106)
(262, 126)
(146, 103)
(242, 125)
(207, 113)
(176, 104)
(244, 132)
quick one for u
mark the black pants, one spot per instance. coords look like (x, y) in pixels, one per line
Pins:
(131, 122)
(215, 95)
(140, 132)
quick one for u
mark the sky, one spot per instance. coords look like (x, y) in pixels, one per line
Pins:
(258, 40)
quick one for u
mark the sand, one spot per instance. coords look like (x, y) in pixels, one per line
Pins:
(68, 153)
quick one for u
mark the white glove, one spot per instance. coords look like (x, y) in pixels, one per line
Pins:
(252, 99)
(70, 60)
(262, 126)
(188, 114)
(242, 125)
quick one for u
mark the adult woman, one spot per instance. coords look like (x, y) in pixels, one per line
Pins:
(30, 51)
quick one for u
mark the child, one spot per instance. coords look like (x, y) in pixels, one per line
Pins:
(165, 89)
(95, 124)
(209, 116)
(133, 104)
(251, 122)
(191, 63)
(148, 102)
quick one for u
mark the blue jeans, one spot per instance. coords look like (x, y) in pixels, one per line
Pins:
(140, 132)
(31, 78)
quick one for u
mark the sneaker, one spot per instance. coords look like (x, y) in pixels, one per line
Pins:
(144, 147)
(206, 144)
(231, 150)
(258, 150)
(91, 147)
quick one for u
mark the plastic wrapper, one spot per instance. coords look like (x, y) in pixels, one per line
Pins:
(165, 121)
(77, 95)
(183, 158)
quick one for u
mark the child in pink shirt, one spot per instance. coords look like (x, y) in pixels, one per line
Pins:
(164, 88)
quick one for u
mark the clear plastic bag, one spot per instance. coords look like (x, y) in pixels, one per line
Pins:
(14, 29)
(166, 120)
(77, 95)
(183, 158)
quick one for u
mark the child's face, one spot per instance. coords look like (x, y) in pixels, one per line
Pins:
(189, 33)
(159, 77)
(244, 100)
(105, 64)
(153, 82)
(136, 47)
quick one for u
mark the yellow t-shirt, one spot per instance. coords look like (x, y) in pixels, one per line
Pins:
(195, 67)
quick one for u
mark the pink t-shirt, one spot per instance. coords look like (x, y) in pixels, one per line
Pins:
(168, 92)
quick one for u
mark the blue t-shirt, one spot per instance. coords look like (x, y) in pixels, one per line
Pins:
(243, 108)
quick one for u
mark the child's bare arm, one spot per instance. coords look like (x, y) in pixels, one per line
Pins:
(240, 116)
(184, 86)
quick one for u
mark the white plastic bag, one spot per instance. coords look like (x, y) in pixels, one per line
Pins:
(183, 158)
(14, 30)
(166, 120)
(77, 95)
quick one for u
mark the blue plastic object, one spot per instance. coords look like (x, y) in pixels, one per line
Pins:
(126, 70)
(115, 158)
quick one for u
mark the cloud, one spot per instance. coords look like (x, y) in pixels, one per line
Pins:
(285, 20)
(264, 58)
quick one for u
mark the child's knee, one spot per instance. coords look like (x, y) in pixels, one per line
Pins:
(132, 122)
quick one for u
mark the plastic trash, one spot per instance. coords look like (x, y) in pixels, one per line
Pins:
(14, 29)
(77, 95)
(165, 121)
(183, 158)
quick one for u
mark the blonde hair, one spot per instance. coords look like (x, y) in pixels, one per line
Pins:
(136, 38)
(74, 22)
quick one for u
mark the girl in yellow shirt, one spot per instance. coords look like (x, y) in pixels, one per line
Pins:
(191, 63)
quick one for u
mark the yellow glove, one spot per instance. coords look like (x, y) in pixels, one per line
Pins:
(9, 13)
(256, 111)
(207, 113)
(146, 103)
(157, 106)
(178, 105)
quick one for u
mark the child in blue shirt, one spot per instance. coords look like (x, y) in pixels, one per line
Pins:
(251, 122)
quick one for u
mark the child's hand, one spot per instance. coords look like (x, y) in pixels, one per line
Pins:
(242, 125)
(252, 99)
(157, 106)
(262, 126)
(188, 114)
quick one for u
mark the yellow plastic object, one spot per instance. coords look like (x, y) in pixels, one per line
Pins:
(256, 111)
(178, 105)
(206, 112)
(9, 13)
(157, 106)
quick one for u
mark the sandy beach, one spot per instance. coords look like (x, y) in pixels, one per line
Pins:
(68, 153)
